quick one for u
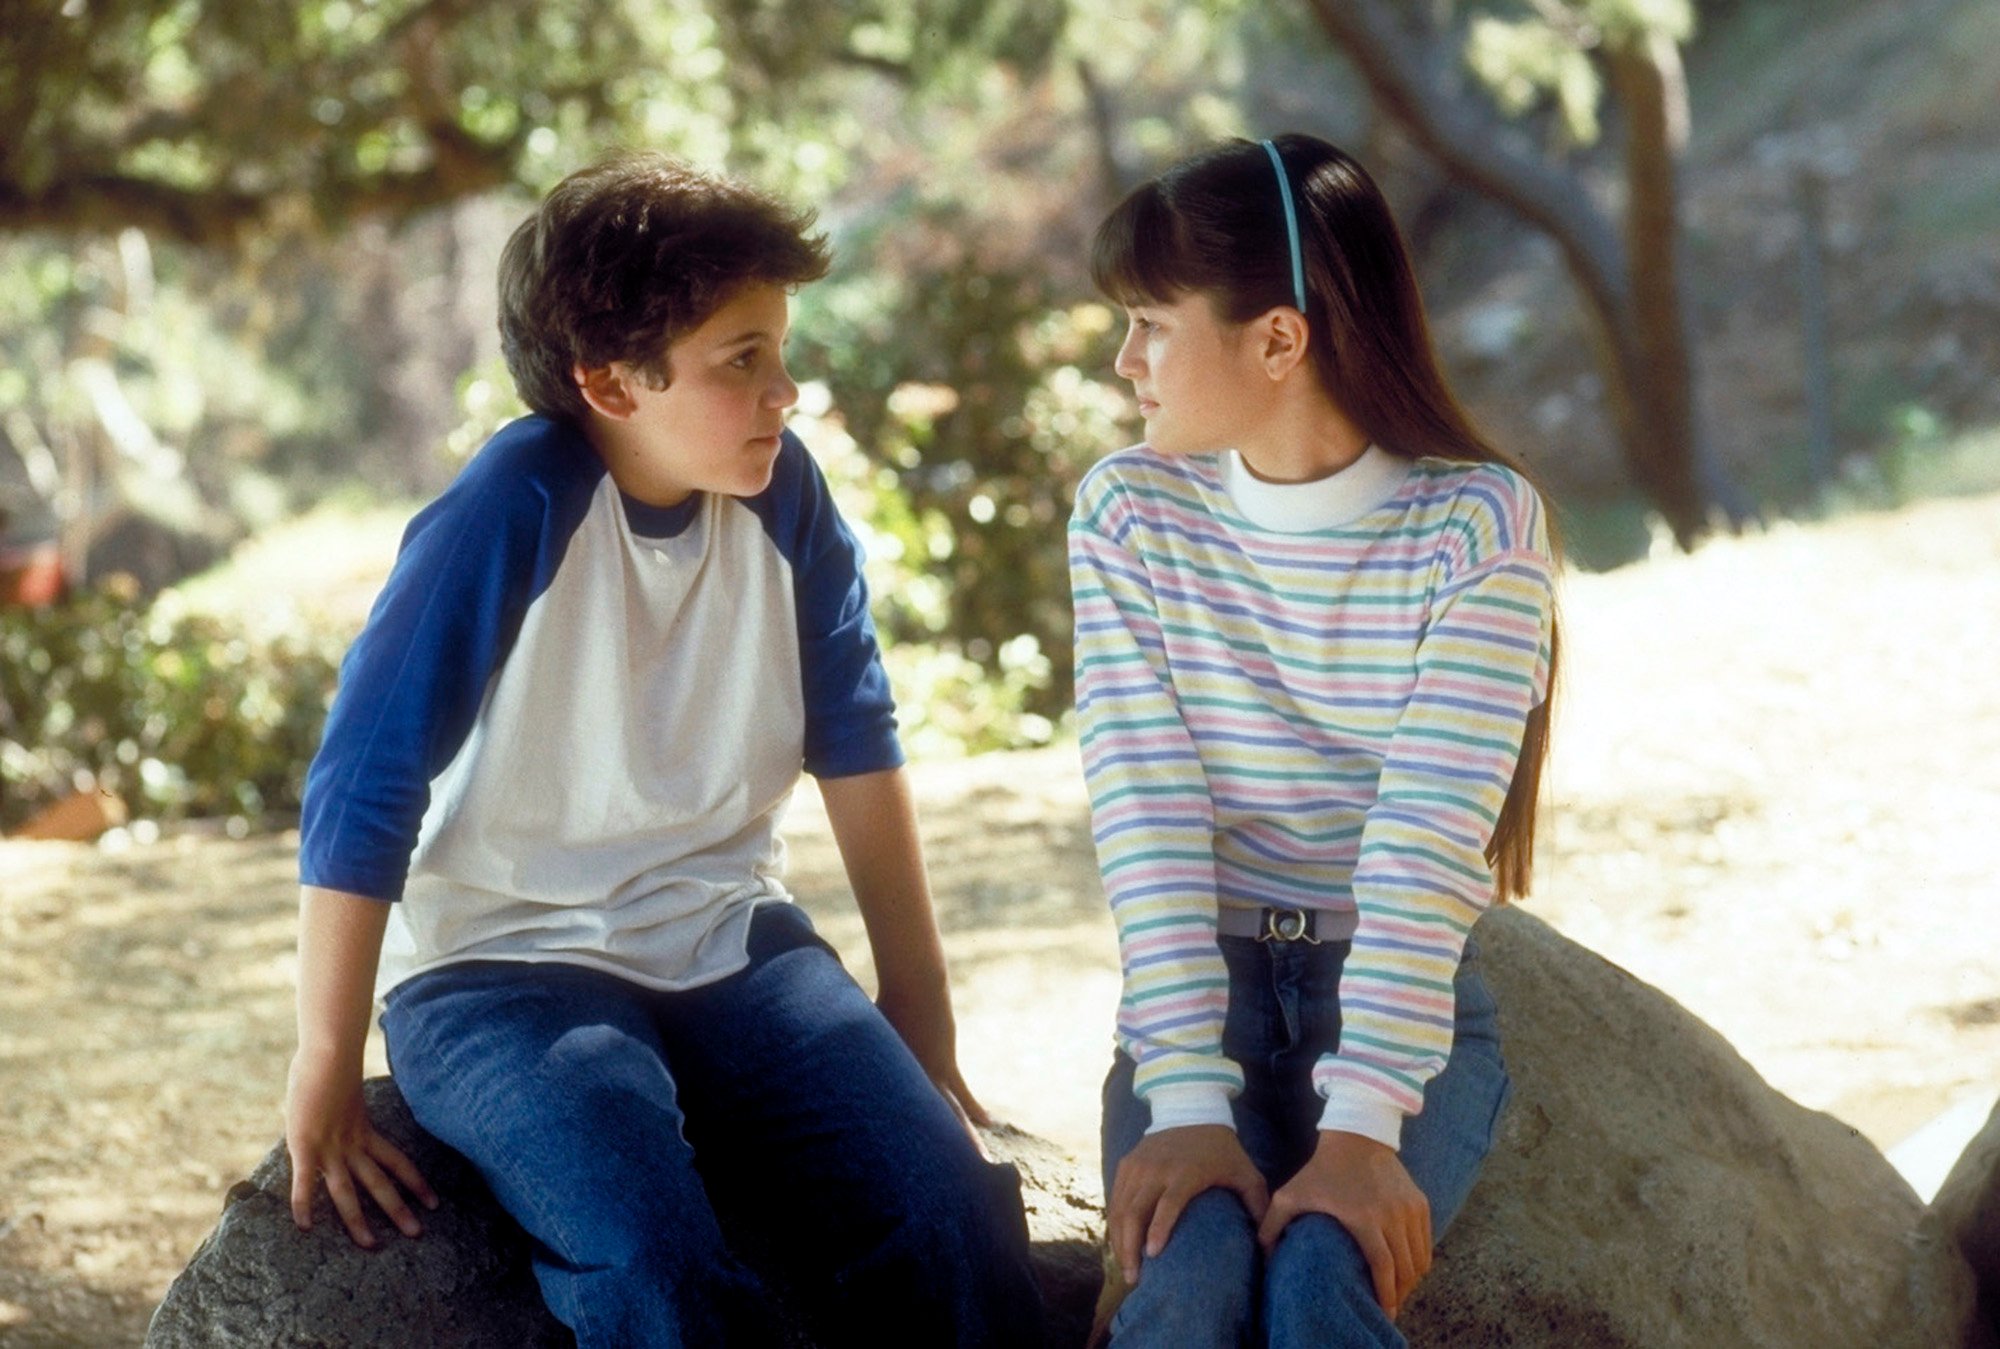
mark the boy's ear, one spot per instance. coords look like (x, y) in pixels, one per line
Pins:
(606, 388)
(1285, 337)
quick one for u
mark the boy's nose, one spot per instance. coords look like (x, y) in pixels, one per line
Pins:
(785, 392)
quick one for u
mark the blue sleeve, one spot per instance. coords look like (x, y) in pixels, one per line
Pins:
(850, 714)
(412, 683)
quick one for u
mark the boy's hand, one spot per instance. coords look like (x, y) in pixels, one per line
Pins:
(329, 1134)
(875, 826)
(326, 1127)
(1362, 1184)
(1157, 1178)
(926, 1025)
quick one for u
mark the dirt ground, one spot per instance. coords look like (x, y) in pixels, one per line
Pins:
(1778, 776)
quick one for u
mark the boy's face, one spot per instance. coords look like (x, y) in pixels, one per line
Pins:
(715, 427)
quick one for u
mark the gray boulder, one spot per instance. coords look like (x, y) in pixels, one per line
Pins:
(259, 1281)
(1649, 1189)
(1966, 1213)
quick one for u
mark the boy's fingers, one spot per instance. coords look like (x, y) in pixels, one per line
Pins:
(340, 1189)
(964, 1118)
(968, 1102)
(387, 1197)
(304, 1172)
(390, 1157)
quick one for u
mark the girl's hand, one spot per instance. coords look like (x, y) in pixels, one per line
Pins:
(1156, 1180)
(328, 1133)
(1362, 1184)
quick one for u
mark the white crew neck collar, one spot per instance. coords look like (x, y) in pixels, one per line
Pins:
(1325, 503)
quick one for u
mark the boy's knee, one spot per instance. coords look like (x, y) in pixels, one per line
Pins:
(959, 1211)
(952, 1252)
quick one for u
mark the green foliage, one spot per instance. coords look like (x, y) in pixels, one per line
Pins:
(1920, 457)
(944, 140)
(919, 42)
(181, 714)
(247, 380)
(208, 118)
(222, 120)
(1525, 62)
(487, 401)
(988, 423)
(1545, 56)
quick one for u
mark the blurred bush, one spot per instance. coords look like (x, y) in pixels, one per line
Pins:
(179, 713)
(979, 399)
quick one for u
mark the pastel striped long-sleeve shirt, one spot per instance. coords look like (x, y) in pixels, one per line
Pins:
(1313, 697)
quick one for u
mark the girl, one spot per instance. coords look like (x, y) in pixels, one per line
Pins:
(1315, 640)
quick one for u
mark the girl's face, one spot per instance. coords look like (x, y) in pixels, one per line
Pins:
(1196, 376)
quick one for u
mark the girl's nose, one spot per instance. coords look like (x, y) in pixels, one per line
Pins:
(1128, 365)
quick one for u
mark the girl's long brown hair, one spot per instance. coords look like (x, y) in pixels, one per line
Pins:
(1215, 225)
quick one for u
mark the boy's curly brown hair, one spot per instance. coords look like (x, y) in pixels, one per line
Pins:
(628, 255)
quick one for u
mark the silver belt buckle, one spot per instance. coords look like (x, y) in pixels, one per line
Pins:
(1287, 925)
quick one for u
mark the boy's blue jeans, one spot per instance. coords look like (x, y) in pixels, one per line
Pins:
(1212, 1286)
(614, 1123)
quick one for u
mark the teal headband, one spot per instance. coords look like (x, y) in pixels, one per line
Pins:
(1291, 228)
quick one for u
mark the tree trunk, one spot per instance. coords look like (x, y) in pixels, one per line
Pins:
(1631, 282)
(1661, 444)
(1112, 181)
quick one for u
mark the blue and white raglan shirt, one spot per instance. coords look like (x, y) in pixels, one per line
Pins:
(573, 721)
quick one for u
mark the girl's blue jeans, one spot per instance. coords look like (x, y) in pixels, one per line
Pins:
(1211, 1285)
(615, 1123)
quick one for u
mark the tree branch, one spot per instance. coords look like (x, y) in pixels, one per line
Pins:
(897, 72)
(87, 203)
(1467, 139)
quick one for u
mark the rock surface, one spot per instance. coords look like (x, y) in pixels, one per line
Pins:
(1648, 1189)
(259, 1281)
(1966, 1212)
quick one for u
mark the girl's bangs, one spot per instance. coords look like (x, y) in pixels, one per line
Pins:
(1135, 258)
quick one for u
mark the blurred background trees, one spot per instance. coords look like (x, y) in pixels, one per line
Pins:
(246, 260)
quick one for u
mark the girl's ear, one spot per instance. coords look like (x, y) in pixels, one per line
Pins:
(1285, 335)
(607, 389)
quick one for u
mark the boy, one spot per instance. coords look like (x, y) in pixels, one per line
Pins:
(563, 742)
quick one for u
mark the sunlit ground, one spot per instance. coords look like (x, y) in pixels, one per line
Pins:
(1779, 764)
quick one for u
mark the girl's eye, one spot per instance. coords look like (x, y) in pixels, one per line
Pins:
(744, 360)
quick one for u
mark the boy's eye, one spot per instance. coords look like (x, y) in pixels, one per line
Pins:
(743, 360)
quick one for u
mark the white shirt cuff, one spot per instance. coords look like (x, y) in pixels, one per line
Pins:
(1179, 1106)
(1371, 1119)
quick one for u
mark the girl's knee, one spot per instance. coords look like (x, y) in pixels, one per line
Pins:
(1318, 1289)
(1314, 1247)
(1199, 1290)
